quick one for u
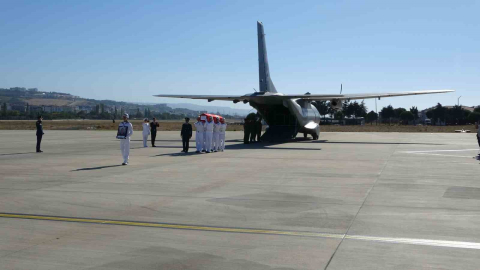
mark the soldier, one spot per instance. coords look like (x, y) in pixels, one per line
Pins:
(199, 127)
(216, 135)
(146, 131)
(258, 128)
(246, 131)
(153, 130)
(209, 134)
(223, 129)
(186, 134)
(127, 128)
(253, 130)
(40, 133)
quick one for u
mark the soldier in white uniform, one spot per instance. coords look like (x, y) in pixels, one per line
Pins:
(146, 131)
(125, 143)
(199, 127)
(216, 135)
(223, 129)
(209, 134)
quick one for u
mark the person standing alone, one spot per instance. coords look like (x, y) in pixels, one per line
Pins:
(125, 131)
(39, 133)
(153, 130)
(186, 134)
(146, 131)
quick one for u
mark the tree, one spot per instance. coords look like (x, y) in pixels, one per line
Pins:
(339, 115)
(121, 112)
(439, 113)
(406, 116)
(372, 116)
(398, 112)
(474, 117)
(387, 113)
(139, 114)
(348, 109)
(4, 109)
(362, 110)
(414, 111)
(115, 113)
(97, 109)
(457, 115)
(477, 109)
(102, 108)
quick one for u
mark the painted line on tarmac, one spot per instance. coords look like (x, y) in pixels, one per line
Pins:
(410, 241)
(433, 151)
(170, 226)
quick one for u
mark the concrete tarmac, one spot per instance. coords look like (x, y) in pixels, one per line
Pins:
(346, 201)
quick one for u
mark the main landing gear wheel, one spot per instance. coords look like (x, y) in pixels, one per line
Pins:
(305, 135)
(315, 137)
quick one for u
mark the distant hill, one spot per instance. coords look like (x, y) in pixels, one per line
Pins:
(18, 98)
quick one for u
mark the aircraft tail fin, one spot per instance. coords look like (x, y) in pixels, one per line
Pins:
(266, 84)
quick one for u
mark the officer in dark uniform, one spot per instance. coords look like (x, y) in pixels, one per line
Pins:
(153, 130)
(246, 131)
(186, 134)
(39, 133)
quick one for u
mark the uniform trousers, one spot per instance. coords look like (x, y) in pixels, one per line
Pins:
(145, 139)
(39, 141)
(208, 141)
(186, 143)
(125, 147)
(204, 143)
(222, 141)
(154, 135)
(199, 141)
(216, 141)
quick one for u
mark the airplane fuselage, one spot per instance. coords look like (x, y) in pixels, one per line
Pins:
(286, 117)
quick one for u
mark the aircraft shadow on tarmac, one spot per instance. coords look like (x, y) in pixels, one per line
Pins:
(240, 146)
(95, 168)
(12, 154)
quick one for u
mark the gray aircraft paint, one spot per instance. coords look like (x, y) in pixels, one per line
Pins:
(265, 82)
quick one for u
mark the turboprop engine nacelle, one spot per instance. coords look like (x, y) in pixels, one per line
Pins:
(336, 104)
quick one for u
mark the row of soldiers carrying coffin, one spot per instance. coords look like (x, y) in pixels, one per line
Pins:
(210, 134)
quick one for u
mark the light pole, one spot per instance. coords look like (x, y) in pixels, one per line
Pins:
(458, 101)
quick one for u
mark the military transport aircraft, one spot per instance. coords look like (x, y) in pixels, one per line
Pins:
(287, 115)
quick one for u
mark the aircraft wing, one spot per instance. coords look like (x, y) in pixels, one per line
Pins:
(366, 96)
(257, 96)
(208, 97)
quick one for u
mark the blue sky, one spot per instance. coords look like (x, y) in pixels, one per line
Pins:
(131, 50)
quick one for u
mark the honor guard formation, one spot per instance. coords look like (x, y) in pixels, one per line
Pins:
(210, 133)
